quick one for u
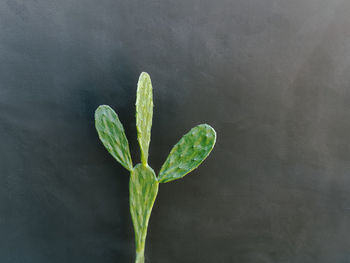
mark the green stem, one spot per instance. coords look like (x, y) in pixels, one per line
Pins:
(140, 245)
(140, 254)
(143, 193)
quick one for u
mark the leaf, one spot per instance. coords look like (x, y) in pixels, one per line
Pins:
(188, 153)
(111, 133)
(143, 191)
(144, 113)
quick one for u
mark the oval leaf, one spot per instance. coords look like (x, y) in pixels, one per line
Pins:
(143, 192)
(144, 113)
(111, 133)
(188, 153)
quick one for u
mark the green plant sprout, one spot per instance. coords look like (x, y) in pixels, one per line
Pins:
(185, 156)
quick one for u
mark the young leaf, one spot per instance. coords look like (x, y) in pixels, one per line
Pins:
(143, 191)
(111, 133)
(144, 113)
(188, 153)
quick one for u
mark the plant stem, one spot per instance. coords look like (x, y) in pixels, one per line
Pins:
(140, 254)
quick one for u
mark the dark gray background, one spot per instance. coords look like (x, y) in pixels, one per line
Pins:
(272, 77)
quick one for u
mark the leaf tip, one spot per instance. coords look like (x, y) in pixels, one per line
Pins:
(144, 75)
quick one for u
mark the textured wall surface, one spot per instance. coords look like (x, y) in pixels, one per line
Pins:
(272, 77)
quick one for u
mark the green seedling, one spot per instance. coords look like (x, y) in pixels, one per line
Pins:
(185, 156)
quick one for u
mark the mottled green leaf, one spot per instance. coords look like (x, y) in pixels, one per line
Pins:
(143, 191)
(188, 153)
(144, 113)
(111, 133)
